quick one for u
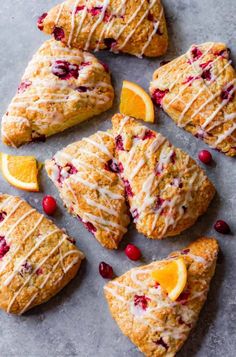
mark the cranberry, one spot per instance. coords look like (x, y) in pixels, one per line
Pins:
(90, 227)
(206, 74)
(205, 157)
(2, 216)
(132, 252)
(185, 251)
(141, 301)
(158, 95)
(26, 268)
(135, 214)
(109, 42)
(72, 169)
(182, 299)
(82, 89)
(222, 227)
(39, 271)
(196, 53)
(49, 205)
(95, 10)
(108, 17)
(149, 134)
(74, 70)
(150, 16)
(85, 64)
(205, 64)
(128, 188)
(60, 69)
(159, 203)
(79, 8)
(112, 166)
(58, 33)
(106, 271)
(4, 247)
(40, 21)
(23, 86)
(119, 142)
(162, 343)
(227, 94)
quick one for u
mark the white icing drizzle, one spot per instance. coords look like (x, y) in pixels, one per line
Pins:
(155, 28)
(16, 224)
(104, 222)
(100, 146)
(99, 20)
(72, 23)
(92, 203)
(59, 13)
(142, 285)
(11, 213)
(138, 24)
(80, 25)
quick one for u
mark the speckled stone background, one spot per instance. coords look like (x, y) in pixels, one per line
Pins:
(77, 321)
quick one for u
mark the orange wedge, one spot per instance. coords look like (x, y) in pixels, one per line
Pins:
(20, 171)
(172, 277)
(136, 102)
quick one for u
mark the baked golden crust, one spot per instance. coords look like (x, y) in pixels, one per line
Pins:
(166, 189)
(197, 90)
(137, 27)
(37, 259)
(60, 88)
(143, 311)
(85, 174)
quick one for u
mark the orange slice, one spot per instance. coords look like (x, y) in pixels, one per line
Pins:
(172, 277)
(20, 171)
(136, 102)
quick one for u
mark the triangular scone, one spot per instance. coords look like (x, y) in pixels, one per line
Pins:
(197, 90)
(166, 189)
(37, 259)
(85, 174)
(135, 27)
(144, 312)
(60, 88)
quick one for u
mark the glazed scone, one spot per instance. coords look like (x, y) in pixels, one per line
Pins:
(85, 174)
(144, 312)
(137, 27)
(165, 188)
(37, 259)
(61, 87)
(197, 90)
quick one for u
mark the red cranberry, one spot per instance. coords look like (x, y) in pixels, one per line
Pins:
(141, 301)
(82, 89)
(150, 16)
(72, 169)
(2, 216)
(106, 271)
(149, 134)
(113, 166)
(128, 188)
(90, 227)
(222, 227)
(95, 10)
(26, 268)
(23, 86)
(132, 252)
(119, 142)
(79, 8)
(158, 96)
(159, 203)
(40, 21)
(58, 33)
(49, 205)
(185, 251)
(182, 299)
(206, 74)
(4, 247)
(227, 94)
(135, 214)
(162, 343)
(60, 69)
(74, 70)
(39, 271)
(109, 42)
(196, 53)
(205, 157)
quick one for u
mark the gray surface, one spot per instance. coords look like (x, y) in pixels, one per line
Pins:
(77, 322)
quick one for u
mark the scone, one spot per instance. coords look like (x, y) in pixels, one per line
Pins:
(85, 174)
(165, 188)
(136, 27)
(37, 259)
(61, 87)
(197, 90)
(144, 312)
